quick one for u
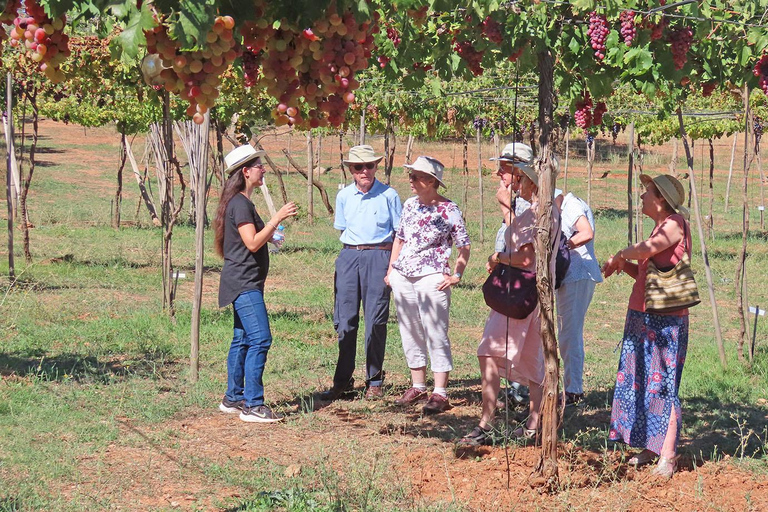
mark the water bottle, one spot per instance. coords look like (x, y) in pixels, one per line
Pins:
(278, 237)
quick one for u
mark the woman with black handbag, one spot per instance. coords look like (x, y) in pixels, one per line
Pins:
(646, 408)
(511, 343)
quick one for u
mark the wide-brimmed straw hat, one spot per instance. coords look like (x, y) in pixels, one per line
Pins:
(671, 190)
(241, 155)
(428, 165)
(361, 155)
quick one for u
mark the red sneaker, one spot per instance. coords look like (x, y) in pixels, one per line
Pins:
(436, 404)
(411, 396)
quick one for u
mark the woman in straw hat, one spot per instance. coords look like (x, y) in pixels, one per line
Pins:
(421, 280)
(241, 239)
(511, 348)
(646, 407)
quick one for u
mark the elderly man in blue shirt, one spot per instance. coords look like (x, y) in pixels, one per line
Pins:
(367, 214)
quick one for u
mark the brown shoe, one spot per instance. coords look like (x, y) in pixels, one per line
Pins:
(411, 396)
(436, 404)
(374, 392)
(338, 391)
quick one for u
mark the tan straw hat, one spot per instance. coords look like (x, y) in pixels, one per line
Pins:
(241, 155)
(516, 152)
(671, 190)
(428, 165)
(361, 155)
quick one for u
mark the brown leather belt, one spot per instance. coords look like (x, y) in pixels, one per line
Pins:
(384, 247)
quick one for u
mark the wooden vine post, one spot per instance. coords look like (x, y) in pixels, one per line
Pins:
(590, 163)
(730, 171)
(10, 190)
(480, 184)
(310, 180)
(567, 150)
(119, 191)
(25, 223)
(704, 255)
(630, 169)
(710, 216)
(741, 266)
(199, 170)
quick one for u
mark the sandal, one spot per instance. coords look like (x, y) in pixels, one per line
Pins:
(643, 458)
(523, 433)
(666, 467)
(478, 437)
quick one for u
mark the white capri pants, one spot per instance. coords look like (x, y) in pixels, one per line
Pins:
(572, 303)
(422, 316)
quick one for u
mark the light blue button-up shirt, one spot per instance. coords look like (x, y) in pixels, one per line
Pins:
(367, 218)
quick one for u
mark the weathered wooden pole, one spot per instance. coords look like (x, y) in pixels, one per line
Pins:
(310, 180)
(199, 167)
(567, 150)
(730, 171)
(630, 169)
(741, 273)
(480, 184)
(10, 190)
(702, 242)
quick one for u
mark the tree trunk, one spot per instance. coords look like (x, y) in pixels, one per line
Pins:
(639, 208)
(631, 158)
(565, 171)
(546, 471)
(142, 188)
(704, 255)
(341, 158)
(590, 163)
(480, 184)
(10, 191)
(119, 191)
(742, 261)
(389, 154)
(409, 149)
(317, 184)
(25, 224)
(730, 171)
(673, 161)
(362, 126)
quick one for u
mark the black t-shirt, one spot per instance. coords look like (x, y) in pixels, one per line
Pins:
(243, 270)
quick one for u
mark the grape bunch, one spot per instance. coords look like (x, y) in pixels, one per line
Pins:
(315, 64)
(598, 33)
(492, 30)
(708, 88)
(761, 72)
(394, 36)
(383, 60)
(472, 57)
(590, 139)
(758, 130)
(681, 40)
(479, 123)
(628, 30)
(615, 129)
(564, 120)
(597, 114)
(583, 115)
(195, 75)
(451, 115)
(7, 16)
(42, 38)
(516, 54)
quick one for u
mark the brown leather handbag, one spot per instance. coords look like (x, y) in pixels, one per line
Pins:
(667, 291)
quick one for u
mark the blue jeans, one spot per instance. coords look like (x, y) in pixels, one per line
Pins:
(248, 353)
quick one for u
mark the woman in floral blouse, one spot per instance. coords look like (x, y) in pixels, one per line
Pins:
(421, 281)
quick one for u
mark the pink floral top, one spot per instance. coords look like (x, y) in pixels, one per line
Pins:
(428, 232)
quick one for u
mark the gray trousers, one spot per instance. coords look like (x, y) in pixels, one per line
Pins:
(360, 279)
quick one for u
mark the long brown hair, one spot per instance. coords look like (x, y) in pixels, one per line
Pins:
(233, 186)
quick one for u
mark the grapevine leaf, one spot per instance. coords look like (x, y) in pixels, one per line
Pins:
(437, 89)
(745, 56)
(583, 5)
(194, 21)
(133, 35)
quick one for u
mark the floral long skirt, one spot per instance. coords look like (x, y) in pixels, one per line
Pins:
(650, 367)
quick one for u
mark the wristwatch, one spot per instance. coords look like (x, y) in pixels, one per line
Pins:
(457, 274)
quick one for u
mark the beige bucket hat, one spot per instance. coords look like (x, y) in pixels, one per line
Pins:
(671, 190)
(428, 165)
(361, 155)
(517, 153)
(241, 155)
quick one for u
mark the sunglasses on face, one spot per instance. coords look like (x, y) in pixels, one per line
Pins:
(417, 177)
(360, 167)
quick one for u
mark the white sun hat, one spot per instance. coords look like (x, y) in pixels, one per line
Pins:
(241, 155)
(428, 165)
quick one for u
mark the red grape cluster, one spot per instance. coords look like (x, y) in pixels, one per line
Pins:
(708, 88)
(194, 75)
(316, 64)
(492, 30)
(7, 16)
(598, 33)
(43, 39)
(681, 40)
(761, 72)
(472, 57)
(516, 54)
(585, 117)
(394, 36)
(628, 30)
(383, 60)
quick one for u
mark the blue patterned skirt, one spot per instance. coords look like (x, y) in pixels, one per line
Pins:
(650, 367)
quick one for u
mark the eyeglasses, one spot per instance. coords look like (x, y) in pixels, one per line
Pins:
(419, 177)
(256, 165)
(368, 165)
